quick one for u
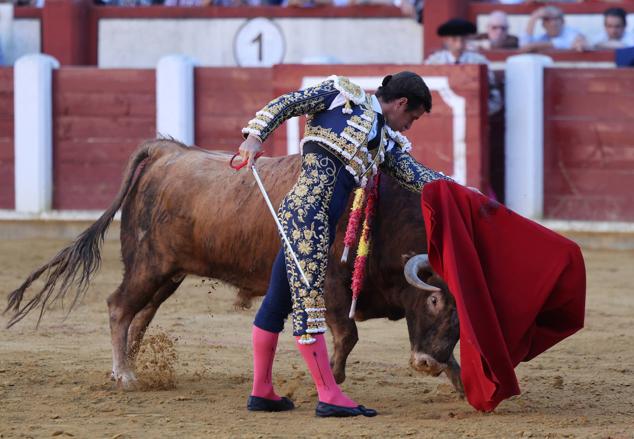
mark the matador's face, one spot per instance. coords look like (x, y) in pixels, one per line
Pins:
(398, 117)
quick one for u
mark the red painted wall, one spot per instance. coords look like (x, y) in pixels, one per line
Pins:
(100, 117)
(225, 100)
(589, 144)
(7, 193)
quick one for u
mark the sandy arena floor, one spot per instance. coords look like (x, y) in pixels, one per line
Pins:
(55, 381)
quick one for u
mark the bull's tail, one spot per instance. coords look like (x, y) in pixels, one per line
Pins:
(75, 264)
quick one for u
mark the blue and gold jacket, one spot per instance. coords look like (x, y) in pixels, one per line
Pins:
(345, 131)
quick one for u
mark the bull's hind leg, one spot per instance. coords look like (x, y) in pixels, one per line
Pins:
(134, 293)
(143, 318)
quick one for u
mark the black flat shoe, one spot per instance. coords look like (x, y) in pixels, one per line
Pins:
(325, 410)
(258, 404)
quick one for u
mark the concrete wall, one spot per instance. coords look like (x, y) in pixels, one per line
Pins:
(142, 42)
(18, 37)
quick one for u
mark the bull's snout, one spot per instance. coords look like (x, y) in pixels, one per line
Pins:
(426, 363)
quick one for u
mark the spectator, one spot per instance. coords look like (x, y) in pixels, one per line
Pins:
(557, 35)
(454, 36)
(33, 3)
(497, 34)
(411, 8)
(516, 2)
(614, 36)
(186, 2)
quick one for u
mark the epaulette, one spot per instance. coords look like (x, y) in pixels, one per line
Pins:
(402, 141)
(351, 91)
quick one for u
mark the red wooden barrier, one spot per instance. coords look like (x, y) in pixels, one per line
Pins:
(100, 117)
(588, 147)
(7, 193)
(226, 98)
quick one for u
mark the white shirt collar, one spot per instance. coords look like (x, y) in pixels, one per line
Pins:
(376, 105)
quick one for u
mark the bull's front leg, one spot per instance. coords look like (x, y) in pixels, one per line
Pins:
(453, 373)
(344, 330)
(344, 337)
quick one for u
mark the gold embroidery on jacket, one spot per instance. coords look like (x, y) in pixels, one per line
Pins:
(304, 217)
(349, 89)
(408, 172)
(307, 101)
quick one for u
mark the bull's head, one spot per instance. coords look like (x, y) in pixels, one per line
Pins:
(432, 318)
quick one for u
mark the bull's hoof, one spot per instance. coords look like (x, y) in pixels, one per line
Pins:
(125, 380)
(459, 387)
(453, 373)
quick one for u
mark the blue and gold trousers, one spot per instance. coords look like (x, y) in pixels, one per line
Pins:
(309, 215)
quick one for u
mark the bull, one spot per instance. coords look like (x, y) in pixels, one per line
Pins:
(184, 211)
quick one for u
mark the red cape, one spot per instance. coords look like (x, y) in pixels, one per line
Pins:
(519, 287)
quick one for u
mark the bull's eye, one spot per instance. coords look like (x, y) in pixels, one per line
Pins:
(434, 300)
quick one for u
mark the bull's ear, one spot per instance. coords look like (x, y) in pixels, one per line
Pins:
(407, 256)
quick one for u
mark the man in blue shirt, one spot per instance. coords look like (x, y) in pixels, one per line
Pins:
(556, 36)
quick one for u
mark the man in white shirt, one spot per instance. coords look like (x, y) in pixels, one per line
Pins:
(556, 36)
(614, 36)
(454, 35)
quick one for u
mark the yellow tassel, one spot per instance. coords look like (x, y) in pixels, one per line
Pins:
(358, 198)
(364, 244)
(347, 108)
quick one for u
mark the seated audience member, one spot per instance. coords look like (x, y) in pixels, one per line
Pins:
(188, 3)
(557, 35)
(515, 2)
(33, 3)
(614, 36)
(497, 34)
(454, 36)
(411, 8)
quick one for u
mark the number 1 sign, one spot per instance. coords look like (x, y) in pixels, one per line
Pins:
(259, 43)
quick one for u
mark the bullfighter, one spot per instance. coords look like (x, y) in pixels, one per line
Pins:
(348, 136)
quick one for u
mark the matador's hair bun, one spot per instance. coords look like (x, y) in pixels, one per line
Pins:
(406, 84)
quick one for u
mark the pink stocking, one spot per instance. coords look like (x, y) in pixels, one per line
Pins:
(316, 358)
(264, 345)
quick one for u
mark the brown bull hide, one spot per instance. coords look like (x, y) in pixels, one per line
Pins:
(184, 211)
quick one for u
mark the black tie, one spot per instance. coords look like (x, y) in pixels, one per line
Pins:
(380, 122)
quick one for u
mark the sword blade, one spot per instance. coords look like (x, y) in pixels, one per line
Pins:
(277, 223)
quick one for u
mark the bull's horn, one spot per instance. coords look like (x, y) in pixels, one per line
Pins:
(413, 265)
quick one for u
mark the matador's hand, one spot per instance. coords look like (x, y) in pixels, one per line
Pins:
(249, 149)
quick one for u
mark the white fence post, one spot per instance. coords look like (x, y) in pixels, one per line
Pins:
(175, 98)
(33, 134)
(524, 139)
